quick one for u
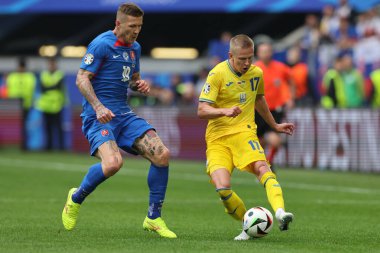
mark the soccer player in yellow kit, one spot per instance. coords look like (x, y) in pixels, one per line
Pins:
(233, 90)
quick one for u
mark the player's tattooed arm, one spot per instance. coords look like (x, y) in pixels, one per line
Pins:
(84, 84)
(137, 84)
(132, 83)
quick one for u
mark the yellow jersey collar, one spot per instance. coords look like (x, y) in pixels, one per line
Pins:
(232, 69)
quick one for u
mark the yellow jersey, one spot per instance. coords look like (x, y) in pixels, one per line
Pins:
(224, 88)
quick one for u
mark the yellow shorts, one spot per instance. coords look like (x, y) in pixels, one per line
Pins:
(234, 151)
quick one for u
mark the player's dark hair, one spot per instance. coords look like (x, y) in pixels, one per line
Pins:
(130, 9)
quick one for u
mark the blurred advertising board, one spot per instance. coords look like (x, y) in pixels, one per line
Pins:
(345, 140)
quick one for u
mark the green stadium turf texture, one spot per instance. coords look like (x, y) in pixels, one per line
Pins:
(334, 211)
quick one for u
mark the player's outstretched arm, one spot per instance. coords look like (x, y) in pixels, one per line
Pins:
(262, 107)
(207, 111)
(103, 114)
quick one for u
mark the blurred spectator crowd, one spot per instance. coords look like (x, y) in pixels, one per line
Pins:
(335, 63)
(43, 98)
(343, 54)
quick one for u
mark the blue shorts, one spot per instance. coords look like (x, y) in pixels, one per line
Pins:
(124, 129)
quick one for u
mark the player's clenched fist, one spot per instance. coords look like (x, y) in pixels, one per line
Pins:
(143, 86)
(286, 128)
(232, 112)
(104, 115)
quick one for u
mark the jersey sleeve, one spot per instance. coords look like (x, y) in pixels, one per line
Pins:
(96, 52)
(210, 89)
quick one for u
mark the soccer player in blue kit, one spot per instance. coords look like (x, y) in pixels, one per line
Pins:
(110, 66)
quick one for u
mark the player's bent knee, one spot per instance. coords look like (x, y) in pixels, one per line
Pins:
(259, 168)
(112, 165)
(162, 159)
(221, 178)
(220, 184)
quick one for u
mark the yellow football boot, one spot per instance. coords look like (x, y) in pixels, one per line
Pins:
(158, 225)
(70, 212)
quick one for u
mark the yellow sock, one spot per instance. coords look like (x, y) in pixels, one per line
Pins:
(274, 191)
(233, 204)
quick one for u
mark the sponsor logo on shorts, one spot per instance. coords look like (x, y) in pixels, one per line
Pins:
(104, 132)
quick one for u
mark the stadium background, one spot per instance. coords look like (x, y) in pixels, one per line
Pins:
(339, 140)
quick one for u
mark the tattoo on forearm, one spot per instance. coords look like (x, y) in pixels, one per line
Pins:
(85, 87)
(133, 85)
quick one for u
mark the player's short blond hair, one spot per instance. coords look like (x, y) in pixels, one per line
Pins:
(241, 41)
(129, 9)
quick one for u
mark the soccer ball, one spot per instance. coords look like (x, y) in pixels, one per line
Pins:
(257, 222)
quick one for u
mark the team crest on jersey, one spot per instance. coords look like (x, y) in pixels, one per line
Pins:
(207, 88)
(243, 98)
(125, 56)
(88, 59)
(104, 132)
(133, 57)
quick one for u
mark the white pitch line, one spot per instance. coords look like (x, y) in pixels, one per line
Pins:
(174, 174)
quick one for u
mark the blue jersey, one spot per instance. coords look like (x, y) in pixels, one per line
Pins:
(113, 64)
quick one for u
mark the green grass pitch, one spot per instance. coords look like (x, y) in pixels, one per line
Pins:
(334, 212)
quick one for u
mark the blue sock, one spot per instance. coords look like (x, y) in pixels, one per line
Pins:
(93, 178)
(157, 182)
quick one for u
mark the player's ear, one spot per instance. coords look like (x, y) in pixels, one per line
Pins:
(117, 23)
(229, 55)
